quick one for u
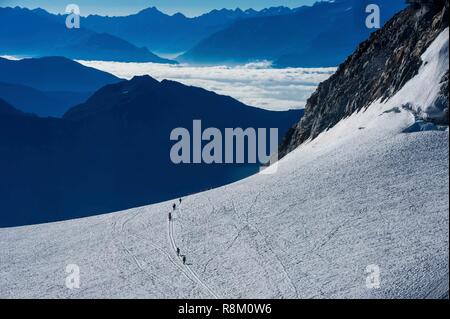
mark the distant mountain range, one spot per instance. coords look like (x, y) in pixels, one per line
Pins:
(124, 39)
(39, 33)
(173, 33)
(112, 152)
(317, 36)
(49, 86)
(309, 36)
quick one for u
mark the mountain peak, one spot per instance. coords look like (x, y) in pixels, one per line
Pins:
(143, 79)
(179, 15)
(114, 96)
(151, 11)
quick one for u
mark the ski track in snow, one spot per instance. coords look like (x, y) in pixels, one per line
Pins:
(361, 193)
(174, 248)
(174, 261)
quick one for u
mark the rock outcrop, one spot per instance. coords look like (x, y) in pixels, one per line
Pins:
(377, 70)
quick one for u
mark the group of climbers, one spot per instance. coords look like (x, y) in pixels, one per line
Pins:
(174, 207)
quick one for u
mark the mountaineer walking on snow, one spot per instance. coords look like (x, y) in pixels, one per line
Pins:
(174, 206)
(184, 260)
(170, 217)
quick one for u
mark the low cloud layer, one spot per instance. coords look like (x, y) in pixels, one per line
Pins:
(255, 84)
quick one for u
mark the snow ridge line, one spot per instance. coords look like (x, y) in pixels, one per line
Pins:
(189, 269)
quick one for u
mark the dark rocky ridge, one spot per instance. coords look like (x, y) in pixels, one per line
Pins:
(113, 152)
(443, 100)
(378, 69)
(7, 109)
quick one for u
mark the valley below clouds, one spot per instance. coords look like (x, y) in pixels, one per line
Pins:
(255, 84)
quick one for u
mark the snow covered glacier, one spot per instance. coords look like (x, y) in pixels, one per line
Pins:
(362, 193)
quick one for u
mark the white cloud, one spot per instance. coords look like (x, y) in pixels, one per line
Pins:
(9, 57)
(256, 84)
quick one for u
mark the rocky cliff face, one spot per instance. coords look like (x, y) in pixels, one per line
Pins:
(377, 70)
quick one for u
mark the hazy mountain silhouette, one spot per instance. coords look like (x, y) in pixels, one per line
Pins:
(112, 152)
(7, 109)
(172, 33)
(54, 74)
(320, 35)
(39, 33)
(41, 103)
(49, 86)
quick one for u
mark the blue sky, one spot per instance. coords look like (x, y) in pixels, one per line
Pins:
(123, 7)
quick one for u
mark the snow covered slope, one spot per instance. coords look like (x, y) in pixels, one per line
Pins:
(362, 193)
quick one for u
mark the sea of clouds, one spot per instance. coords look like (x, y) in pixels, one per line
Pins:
(255, 84)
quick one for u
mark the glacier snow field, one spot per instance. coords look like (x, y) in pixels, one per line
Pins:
(308, 231)
(363, 193)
